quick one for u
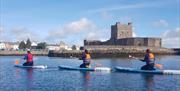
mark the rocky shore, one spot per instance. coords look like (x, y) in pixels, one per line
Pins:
(113, 51)
(21, 52)
(96, 51)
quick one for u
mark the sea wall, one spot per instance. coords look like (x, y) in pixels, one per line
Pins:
(22, 52)
(112, 51)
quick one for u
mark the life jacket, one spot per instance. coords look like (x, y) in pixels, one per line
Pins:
(151, 58)
(29, 57)
(88, 58)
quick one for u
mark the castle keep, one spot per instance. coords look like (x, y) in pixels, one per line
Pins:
(121, 34)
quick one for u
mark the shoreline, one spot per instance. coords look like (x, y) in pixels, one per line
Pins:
(96, 52)
(113, 51)
(21, 53)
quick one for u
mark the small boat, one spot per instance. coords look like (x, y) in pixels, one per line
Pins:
(35, 66)
(84, 69)
(135, 70)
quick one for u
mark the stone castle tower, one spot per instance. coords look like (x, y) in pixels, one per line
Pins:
(119, 31)
(121, 35)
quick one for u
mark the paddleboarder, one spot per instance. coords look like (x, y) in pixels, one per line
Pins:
(149, 59)
(29, 59)
(86, 57)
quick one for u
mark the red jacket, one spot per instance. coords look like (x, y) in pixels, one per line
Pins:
(29, 57)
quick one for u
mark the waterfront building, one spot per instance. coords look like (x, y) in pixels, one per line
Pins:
(9, 45)
(63, 46)
(53, 47)
(60, 46)
(34, 45)
(2, 46)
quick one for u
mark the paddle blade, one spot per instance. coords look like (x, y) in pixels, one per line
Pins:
(160, 66)
(16, 62)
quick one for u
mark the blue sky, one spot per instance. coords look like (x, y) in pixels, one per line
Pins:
(73, 21)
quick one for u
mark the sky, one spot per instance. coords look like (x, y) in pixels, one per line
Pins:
(72, 21)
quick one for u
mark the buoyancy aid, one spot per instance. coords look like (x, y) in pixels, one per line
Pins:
(87, 58)
(29, 57)
(151, 55)
(151, 58)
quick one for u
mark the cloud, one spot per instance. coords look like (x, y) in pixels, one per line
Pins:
(75, 31)
(137, 5)
(106, 16)
(72, 28)
(171, 38)
(21, 33)
(161, 23)
(119, 7)
(134, 34)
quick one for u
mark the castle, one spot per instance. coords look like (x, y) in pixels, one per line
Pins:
(121, 35)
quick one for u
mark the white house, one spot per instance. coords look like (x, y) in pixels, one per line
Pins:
(77, 47)
(2, 45)
(62, 45)
(9, 45)
(33, 44)
(15, 46)
(53, 47)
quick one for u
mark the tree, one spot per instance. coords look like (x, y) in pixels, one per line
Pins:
(41, 45)
(22, 45)
(28, 43)
(81, 48)
(73, 47)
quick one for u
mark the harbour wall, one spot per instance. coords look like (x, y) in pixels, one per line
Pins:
(22, 52)
(113, 51)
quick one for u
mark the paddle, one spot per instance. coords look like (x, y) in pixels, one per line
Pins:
(17, 61)
(159, 66)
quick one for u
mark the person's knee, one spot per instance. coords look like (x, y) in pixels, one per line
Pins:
(81, 66)
(143, 67)
(31, 64)
(25, 64)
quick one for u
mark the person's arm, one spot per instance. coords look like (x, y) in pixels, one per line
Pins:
(145, 58)
(83, 56)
